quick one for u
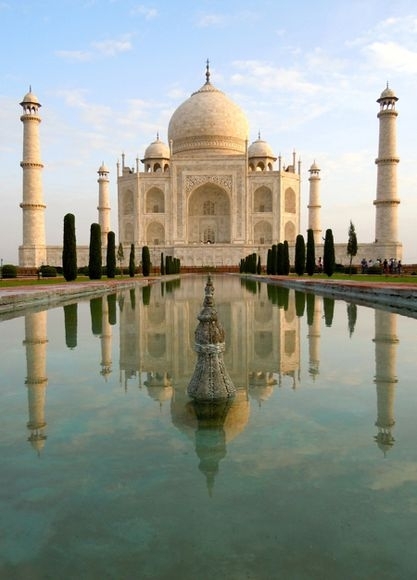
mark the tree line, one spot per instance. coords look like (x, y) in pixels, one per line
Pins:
(169, 264)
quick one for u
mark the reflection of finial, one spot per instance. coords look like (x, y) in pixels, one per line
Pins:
(207, 71)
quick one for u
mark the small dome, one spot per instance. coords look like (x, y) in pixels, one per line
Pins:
(260, 148)
(102, 169)
(30, 99)
(387, 93)
(314, 167)
(157, 150)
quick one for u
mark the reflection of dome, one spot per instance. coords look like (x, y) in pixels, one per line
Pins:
(157, 150)
(208, 121)
(185, 419)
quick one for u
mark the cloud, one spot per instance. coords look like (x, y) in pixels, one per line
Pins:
(74, 55)
(207, 20)
(147, 13)
(266, 77)
(392, 56)
(110, 47)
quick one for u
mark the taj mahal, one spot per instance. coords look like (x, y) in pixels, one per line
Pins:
(207, 196)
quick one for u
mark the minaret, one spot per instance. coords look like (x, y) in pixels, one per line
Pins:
(314, 206)
(387, 202)
(32, 252)
(103, 203)
(36, 380)
(386, 342)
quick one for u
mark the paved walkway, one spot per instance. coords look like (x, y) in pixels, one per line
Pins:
(16, 298)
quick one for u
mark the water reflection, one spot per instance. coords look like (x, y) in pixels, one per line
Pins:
(156, 342)
(36, 377)
(134, 476)
(386, 342)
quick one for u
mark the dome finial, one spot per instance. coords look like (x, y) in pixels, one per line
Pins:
(259, 135)
(157, 135)
(207, 72)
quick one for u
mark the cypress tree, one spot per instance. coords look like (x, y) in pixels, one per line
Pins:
(352, 246)
(96, 313)
(258, 266)
(69, 250)
(71, 324)
(269, 261)
(300, 255)
(328, 254)
(286, 259)
(162, 264)
(280, 259)
(274, 259)
(146, 261)
(94, 262)
(132, 260)
(311, 253)
(328, 310)
(120, 257)
(111, 304)
(111, 255)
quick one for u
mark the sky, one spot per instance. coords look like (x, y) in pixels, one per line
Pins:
(110, 73)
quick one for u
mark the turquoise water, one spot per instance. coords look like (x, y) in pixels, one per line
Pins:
(109, 471)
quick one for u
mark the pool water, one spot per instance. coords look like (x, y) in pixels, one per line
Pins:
(108, 469)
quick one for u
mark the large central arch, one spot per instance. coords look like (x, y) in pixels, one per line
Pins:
(209, 216)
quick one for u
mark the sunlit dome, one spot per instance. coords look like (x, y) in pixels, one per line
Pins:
(260, 148)
(157, 150)
(30, 98)
(388, 93)
(103, 169)
(208, 122)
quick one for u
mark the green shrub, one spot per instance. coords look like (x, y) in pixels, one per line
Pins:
(48, 271)
(9, 271)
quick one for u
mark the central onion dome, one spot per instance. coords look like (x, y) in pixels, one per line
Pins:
(208, 123)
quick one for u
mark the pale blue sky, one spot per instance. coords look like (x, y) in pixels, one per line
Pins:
(110, 73)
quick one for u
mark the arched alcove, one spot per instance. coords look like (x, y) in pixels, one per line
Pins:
(209, 215)
(289, 232)
(262, 233)
(155, 202)
(155, 234)
(262, 200)
(290, 205)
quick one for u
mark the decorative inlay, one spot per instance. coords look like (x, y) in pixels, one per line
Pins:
(193, 181)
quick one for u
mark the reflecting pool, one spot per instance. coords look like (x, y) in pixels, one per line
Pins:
(109, 471)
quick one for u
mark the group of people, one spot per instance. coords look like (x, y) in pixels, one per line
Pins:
(391, 266)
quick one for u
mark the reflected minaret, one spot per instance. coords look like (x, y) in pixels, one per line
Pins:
(314, 206)
(314, 339)
(385, 376)
(36, 379)
(103, 203)
(32, 252)
(106, 341)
